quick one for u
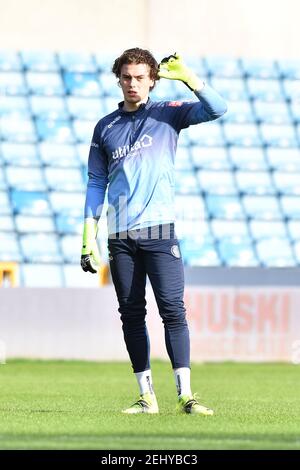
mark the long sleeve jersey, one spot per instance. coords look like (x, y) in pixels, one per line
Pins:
(132, 153)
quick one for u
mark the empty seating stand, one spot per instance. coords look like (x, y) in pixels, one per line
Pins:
(237, 179)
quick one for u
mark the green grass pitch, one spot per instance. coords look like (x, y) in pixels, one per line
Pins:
(76, 405)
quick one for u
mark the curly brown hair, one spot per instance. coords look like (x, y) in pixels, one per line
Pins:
(137, 56)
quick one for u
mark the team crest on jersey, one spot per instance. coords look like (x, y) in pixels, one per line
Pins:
(175, 251)
(175, 103)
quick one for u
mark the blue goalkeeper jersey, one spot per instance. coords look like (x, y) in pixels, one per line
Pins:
(132, 154)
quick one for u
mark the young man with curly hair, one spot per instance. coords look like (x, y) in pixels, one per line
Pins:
(132, 153)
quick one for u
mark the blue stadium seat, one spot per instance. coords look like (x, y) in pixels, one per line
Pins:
(104, 61)
(77, 62)
(6, 223)
(291, 89)
(273, 113)
(42, 275)
(287, 183)
(217, 182)
(262, 207)
(28, 224)
(183, 158)
(210, 158)
(68, 179)
(82, 84)
(244, 135)
(67, 203)
(275, 252)
(40, 61)
(265, 90)
(14, 105)
(74, 277)
(30, 202)
(70, 247)
(40, 248)
(224, 67)
(254, 182)
(224, 207)
(10, 61)
(59, 155)
(15, 129)
(289, 69)
(189, 207)
(25, 178)
(83, 152)
(164, 91)
(9, 247)
(48, 107)
(297, 252)
(261, 229)
(109, 84)
(208, 134)
(231, 89)
(239, 112)
(237, 251)
(248, 158)
(199, 251)
(186, 183)
(290, 207)
(3, 185)
(68, 224)
(282, 135)
(12, 83)
(5, 208)
(260, 68)
(294, 229)
(45, 83)
(83, 130)
(228, 228)
(295, 111)
(55, 130)
(85, 108)
(284, 159)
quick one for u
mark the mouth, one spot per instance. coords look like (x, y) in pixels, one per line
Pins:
(132, 93)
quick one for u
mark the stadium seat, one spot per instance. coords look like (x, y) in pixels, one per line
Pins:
(254, 182)
(109, 84)
(25, 178)
(68, 224)
(199, 251)
(14, 105)
(224, 207)
(40, 248)
(77, 62)
(82, 84)
(239, 112)
(55, 130)
(217, 182)
(6, 223)
(68, 179)
(5, 208)
(275, 252)
(19, 154)
(3, 184)
(28, 224)
(282, 135)
(290, 207)
(30, 202)
(289, 69)
(45, 83)
(210, 158)
(261, 229)
(9, 247)
(237, 251)
(262, 207)
(287, 183)
(83, 130)
(186, 183)
(291, 89)
(264, 90)
(248, 158)
(16, 129)
(10, 61)
(284, 159)
(40, 61)
(42, 275)
(48, 107)
(243, 135)
(232, 89)
(260, 68)
(208, 134)
(71, 247)
(91, 109)
(183, 158)
(272, 113)
(228, 229)
(294, 229)
(67, 203)
(189, 207)
(59, 155)
(223, 67)
(12, 83)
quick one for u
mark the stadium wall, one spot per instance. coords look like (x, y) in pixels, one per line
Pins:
(233, 322)
(256, 28)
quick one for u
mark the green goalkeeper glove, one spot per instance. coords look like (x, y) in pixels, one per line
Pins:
(172, 67)
(90, 256)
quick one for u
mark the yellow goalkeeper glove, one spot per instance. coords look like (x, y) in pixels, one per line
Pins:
(173, 68)
(90, 256)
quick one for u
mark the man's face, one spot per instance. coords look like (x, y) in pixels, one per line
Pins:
(135, 83)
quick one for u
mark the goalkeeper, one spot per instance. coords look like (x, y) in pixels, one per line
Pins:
(132, 153)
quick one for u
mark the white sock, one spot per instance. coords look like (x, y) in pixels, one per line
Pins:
(144, 380)
(183, 381)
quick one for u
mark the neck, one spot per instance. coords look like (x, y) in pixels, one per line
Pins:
(130, 107)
